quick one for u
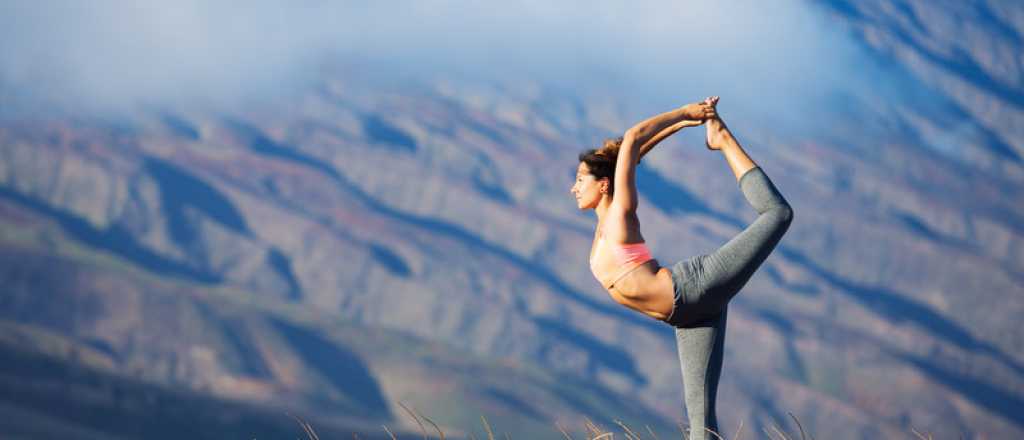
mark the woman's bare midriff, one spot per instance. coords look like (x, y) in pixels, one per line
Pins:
(648, 289)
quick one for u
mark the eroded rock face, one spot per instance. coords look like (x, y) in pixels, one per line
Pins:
(897, 284)
(969, 54)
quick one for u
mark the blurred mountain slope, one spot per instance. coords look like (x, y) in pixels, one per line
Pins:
(254, 253)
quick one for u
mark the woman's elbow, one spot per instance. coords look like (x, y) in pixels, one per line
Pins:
(630, 135)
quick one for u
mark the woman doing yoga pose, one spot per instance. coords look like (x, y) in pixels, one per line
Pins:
(693, 295)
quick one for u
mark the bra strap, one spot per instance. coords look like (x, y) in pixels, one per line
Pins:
(627, 272)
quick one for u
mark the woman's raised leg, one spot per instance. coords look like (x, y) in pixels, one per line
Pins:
(727, 269)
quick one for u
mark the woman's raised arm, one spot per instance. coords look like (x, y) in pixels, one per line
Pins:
(644, 136)
(651, 127)
(612, 150)
(625, 173)
(672, 129)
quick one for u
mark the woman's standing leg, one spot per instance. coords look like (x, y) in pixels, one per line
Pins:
(701, 347)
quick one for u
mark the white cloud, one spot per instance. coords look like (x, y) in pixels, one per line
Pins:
(112, 52)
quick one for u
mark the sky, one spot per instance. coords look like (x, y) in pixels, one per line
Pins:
(112, 54)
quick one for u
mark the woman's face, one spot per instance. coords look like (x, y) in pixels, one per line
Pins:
(587, 188)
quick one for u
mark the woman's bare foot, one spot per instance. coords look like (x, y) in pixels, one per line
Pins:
(718, 135)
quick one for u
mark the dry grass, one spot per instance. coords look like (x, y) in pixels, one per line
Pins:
(593, 431)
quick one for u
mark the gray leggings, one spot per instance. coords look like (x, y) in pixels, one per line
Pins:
(703, 287)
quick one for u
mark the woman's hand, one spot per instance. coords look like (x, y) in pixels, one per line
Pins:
(700, 111)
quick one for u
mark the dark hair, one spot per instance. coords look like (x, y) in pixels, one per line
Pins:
(601, 161)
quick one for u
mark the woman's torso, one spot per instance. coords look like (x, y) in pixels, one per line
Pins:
(647, 287)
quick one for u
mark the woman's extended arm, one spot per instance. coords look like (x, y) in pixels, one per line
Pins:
(628, 155)
(613, 150)
(642, 135)
(672, 129)
(651, 127)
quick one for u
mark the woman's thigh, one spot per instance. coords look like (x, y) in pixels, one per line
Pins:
(720, 275)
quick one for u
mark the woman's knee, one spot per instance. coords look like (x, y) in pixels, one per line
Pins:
(781, 215)
(786, 213)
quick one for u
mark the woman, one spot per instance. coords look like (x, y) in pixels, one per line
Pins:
(693, 294)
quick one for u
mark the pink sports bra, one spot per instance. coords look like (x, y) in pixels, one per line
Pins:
(631, 256)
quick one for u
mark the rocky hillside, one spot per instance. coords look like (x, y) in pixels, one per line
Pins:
(373, 240)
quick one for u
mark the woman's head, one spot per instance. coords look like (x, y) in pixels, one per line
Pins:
(595, 175)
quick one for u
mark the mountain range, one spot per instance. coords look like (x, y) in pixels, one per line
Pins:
(376, 239)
